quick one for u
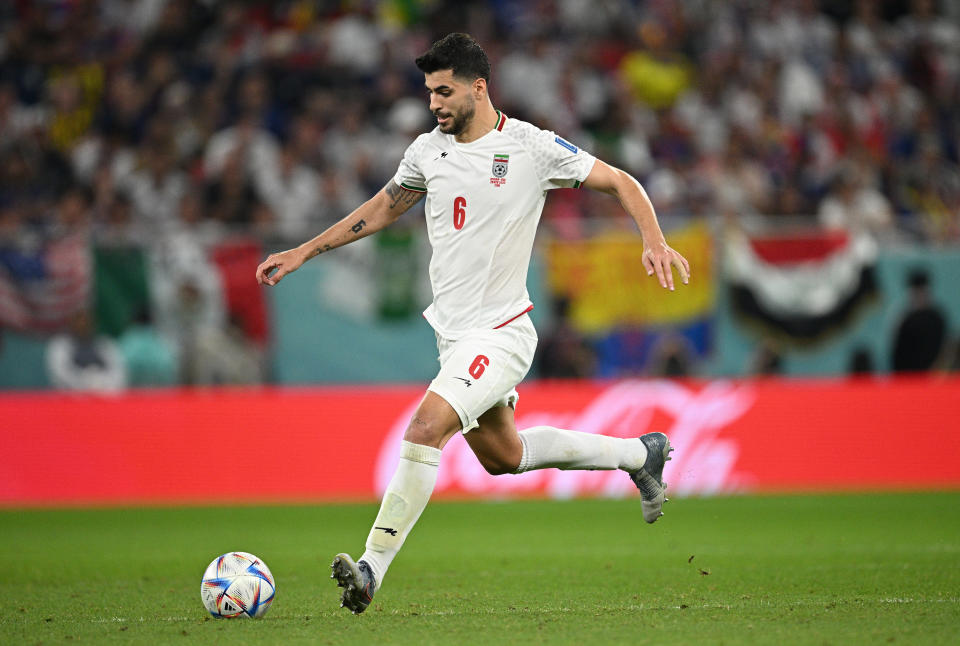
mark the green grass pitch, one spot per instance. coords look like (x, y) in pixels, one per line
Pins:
(835, 569)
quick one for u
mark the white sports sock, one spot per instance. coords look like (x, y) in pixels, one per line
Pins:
(403, 502)
(546, 446)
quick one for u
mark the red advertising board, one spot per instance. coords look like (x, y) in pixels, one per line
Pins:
(279, 445)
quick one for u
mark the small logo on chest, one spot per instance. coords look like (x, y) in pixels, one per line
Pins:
(499, 170)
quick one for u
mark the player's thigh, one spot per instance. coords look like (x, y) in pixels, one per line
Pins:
(482, 370)
(495, 441)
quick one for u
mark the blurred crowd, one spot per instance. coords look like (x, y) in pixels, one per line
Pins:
(172, 126)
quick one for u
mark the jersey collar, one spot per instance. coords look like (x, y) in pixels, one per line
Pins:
(501, 121)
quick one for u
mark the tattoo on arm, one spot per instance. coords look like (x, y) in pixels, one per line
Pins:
(394, 192)
(358, 227)
(401, 197)
(320, 250)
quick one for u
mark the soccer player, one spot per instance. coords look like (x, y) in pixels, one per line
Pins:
(485, 178)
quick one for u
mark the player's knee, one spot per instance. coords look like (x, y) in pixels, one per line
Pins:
(426, 430)
(498, 465)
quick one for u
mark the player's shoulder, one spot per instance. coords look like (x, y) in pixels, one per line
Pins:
(427, 141)
(534, 137)
(520, 130)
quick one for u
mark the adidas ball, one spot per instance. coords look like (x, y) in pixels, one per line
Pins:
(237, 584)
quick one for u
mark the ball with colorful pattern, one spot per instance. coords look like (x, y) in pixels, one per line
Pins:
(237, 584)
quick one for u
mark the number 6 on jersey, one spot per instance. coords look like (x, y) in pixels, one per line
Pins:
(459, 212)
(478, 366)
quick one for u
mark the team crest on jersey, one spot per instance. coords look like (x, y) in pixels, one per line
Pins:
(499, 169)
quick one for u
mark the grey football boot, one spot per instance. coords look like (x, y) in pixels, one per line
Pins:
(649, 477)
(357, 581)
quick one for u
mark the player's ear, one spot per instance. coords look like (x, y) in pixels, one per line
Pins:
(479, 89)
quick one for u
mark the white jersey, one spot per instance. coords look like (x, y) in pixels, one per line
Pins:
(483, 204)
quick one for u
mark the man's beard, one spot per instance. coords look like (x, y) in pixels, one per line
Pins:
(460, 121)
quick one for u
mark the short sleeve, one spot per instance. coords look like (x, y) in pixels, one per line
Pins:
(409, 175)
(559, 163)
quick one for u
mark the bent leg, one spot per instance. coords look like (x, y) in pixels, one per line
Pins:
(548, 447)
(495, 441)
(501, 449)
(643, 458)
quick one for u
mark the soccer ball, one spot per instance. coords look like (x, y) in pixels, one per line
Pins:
(237, 584)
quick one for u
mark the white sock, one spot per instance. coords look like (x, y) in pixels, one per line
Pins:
(546, 446)
(403, 502)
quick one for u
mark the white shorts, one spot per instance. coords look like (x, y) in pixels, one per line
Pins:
(482, 369)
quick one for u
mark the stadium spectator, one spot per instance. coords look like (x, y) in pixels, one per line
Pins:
(218, 355)
(853, 205)
(922, 333)
(185, 285)
(245, 144)
(230, 195)
(657, 74)
(672, 357)
(156, 186)
(563, 352)
(81, 360)
(767, 359)
(292, 190)
(861, 362)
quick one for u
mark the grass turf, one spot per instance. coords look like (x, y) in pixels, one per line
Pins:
(837, 569)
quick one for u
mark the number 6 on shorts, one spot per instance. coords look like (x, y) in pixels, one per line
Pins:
(478, 366)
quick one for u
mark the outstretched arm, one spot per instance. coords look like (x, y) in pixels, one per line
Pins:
(378, 212)
(657, 257)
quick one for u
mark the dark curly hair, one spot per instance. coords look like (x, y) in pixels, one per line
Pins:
(459, 53)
